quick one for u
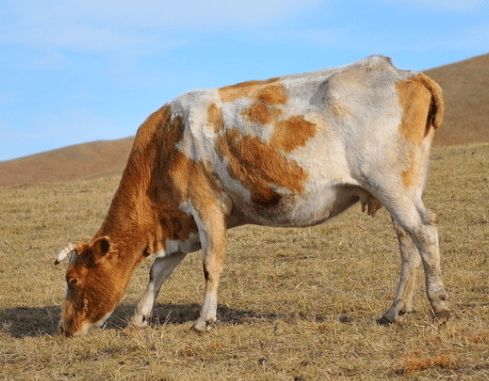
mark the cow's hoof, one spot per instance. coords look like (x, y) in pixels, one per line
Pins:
(441, 317)
(202, 326)
(391, 316)
(139, 321)
(384, 320)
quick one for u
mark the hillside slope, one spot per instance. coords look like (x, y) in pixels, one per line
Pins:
(81, 161)
(466, 88)
(465, 83)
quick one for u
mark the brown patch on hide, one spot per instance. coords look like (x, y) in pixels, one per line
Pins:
(421, 101)
(259, 167)
(261, 113)
(415, 100)
(242, 89)
(292, 133)
(272, 94)
(266, 97)
(437, 106)
(215, 118)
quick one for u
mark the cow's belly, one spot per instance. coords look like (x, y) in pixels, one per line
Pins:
(298, 210)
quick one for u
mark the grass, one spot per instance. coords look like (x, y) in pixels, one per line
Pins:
(295, 304)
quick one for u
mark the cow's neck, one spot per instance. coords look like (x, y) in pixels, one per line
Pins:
(130, 219)
(136, 218)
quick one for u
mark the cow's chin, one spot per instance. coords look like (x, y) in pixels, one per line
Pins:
(85, 327)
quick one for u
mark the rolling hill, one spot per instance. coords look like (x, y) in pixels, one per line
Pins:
(81, 161)
(465, 83)
(466, 88)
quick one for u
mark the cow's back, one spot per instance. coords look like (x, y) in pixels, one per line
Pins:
(279, 144)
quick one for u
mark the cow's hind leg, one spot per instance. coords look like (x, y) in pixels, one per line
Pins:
(160, 270)
(418, 222)
(212, 231)
(403, 300)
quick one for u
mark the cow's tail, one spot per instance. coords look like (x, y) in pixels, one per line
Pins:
(437, 106)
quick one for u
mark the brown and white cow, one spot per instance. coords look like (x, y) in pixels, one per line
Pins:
(289, 151)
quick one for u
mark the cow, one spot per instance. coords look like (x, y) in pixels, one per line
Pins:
(290, 151)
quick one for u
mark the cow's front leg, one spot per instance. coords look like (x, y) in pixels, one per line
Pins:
(212, 232)
(411, 259)
(160, 270)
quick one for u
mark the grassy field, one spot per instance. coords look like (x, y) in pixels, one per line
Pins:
(295, 304)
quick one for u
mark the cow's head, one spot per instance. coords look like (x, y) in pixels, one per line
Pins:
(94, 285)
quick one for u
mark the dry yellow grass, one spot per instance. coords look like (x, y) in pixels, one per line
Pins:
(294, 303)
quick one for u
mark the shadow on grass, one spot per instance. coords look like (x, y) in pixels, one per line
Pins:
(29, 321)
(41, 321)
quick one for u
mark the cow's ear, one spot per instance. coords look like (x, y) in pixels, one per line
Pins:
(101, 247)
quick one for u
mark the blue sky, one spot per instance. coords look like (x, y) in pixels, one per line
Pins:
(76, 71)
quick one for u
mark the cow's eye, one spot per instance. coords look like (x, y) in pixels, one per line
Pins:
(72, 282)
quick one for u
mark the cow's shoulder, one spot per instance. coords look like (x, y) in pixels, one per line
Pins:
(193, 103)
